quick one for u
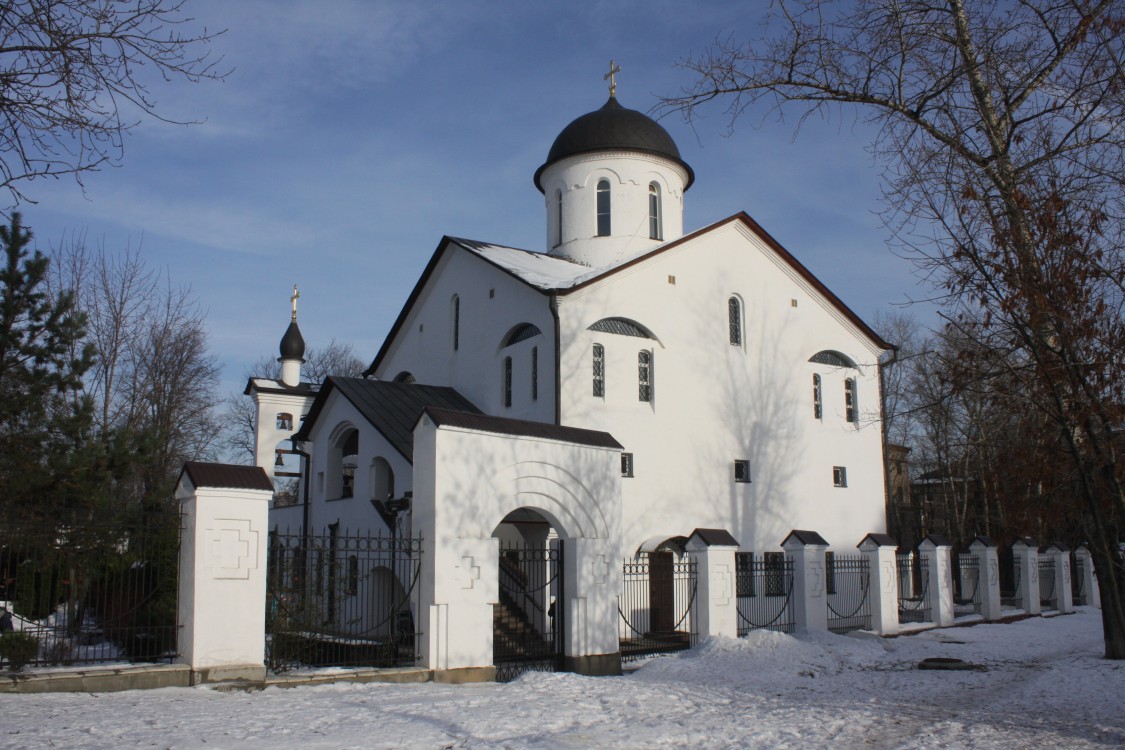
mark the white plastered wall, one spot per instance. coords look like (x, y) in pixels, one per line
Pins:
(714, 403)
(466, 482)
(326, 506)
(492, 303)
(629, 175)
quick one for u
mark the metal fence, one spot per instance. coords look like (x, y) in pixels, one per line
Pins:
(527, 623)
(656, 605)
(764, 584)
(913, 585)
(341, 599)
(1078, 580)
(967, 593)
(848, 582)
(1010, 587)
(75, 593)
(1048, 595)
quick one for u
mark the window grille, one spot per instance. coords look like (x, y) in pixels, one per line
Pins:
(534, 373)
(851, 409)
(655, 220)
(558, 218)
(456, 322)
(626, 464)
(818, 408)
(644, 376)
(742, 471)
(834, 359)
(599, 370)
(734, 316)
(507, 381)
(775, 573)
(603, 208)
(839, 476)
(522, 332)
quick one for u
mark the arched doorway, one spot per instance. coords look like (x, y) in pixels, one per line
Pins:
(528, 617)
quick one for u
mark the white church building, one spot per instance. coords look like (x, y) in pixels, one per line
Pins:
(622, 388)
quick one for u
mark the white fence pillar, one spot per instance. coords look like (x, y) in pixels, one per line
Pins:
(222, 586)
(716, 600)
(939, 579)
(1063, 594)
(881, 553)
(1089, 580)
(988, 587)
(810, 605)
(1027, 552)
(592, 582)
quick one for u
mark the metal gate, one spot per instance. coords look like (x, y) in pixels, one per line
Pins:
(657, 599)
(340, 599)
(527, 621)
(913, 588)
(848, 583)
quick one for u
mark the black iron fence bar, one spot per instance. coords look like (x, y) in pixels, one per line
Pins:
(1047, 597)
(1078, 579)
(967, 581)
(1013, 597)
(343, 598)
(912, 569)
(82, 592)
(656, 605)
(765, 593)
(849, 579)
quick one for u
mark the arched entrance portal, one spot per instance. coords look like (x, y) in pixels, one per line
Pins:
(527, 619)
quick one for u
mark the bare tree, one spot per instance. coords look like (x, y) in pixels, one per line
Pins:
(75, 73)
(1000, 126)
(335, 358)
(153, 378)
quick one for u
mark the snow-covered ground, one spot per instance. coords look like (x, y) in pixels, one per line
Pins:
(1044, 685)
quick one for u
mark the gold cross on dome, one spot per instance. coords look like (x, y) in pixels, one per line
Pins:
(293, 300)
(613, 68)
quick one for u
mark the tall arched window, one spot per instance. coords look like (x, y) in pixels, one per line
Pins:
(599, 370)
(644, 376)
(655, 222)
(507, 381)
(558, 218)
(382, 480)
(851, 402)
(603, 208)
(456, 322)
(534, 373)
(734, 321)
(817, 405)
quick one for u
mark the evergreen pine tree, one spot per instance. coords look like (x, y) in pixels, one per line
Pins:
(46, 457)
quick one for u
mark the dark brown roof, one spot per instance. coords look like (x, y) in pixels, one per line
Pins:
(714, 537)
(805, 537)
(521, 427)
(391, 408)
(228, 476)
(303, 389)
(880, 540)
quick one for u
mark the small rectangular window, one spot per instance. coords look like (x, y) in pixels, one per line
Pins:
(742, 471)
(626, 464)
(507, 381)
(840, 476)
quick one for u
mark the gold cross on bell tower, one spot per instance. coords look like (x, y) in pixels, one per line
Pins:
(293, 300)
(613, 68)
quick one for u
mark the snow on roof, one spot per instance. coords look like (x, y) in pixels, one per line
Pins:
(541, 270)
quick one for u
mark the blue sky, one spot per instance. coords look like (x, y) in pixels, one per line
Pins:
(352, 135)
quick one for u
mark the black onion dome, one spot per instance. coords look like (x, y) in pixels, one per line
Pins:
(613, 128)
(292, 343)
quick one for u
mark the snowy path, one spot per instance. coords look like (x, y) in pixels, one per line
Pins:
(1045, 686)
